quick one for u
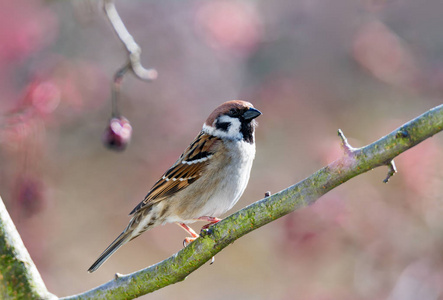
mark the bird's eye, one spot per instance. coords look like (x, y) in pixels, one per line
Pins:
(234, 112)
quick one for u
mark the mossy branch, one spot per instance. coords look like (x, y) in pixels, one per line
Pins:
(19, 278)
(354, 161)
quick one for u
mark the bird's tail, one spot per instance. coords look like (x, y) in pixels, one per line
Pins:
(122, 239)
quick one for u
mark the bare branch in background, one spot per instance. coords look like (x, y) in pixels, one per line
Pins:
(118, 133)
(132, 47)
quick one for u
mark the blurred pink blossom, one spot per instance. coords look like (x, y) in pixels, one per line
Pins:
(229, 26)
(29, 194)
(25, 27)
(43, 96)
(380, 51)
(421, 279)
(418, 167)
(15, 129)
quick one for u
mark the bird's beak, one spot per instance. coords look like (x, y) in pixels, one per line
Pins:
(251, 113)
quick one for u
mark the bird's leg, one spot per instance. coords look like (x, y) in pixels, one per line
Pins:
(211, 220)
(186, 241)
(191, 231)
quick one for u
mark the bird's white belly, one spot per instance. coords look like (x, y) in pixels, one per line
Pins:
(219, 192)
(235, 179)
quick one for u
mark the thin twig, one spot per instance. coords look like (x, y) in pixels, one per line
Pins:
(134, 59)
(134, 50)
(116, 86)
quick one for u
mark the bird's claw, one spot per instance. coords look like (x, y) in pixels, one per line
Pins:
(188, 240)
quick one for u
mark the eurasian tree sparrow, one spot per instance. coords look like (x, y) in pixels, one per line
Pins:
(205, 182)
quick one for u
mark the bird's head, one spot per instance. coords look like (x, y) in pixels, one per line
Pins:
(233, 120)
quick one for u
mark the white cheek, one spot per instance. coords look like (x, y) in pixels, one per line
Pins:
(233, 130)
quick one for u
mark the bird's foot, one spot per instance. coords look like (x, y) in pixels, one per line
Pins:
(211, 220)
(188, 240)
(191, 231)
(194, 235)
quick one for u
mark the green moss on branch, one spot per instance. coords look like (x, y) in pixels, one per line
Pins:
(19, 278)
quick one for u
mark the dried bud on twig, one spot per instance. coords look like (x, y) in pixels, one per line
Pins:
(118, 134)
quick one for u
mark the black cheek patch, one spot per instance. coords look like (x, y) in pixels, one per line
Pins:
(224, 126)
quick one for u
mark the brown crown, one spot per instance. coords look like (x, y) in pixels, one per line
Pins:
(226, 107)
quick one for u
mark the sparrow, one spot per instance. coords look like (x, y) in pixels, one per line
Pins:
(205, 182)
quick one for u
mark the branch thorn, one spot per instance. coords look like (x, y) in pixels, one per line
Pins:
(345, 144)
(391, 172)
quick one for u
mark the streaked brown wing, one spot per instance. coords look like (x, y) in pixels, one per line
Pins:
(186, 170)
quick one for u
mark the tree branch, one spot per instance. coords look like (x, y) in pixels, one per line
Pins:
(134, 50)
(114, 138)
(355, 161)
(19, 278)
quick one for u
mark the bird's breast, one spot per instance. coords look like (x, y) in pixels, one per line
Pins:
(219, 188)
(230, 176)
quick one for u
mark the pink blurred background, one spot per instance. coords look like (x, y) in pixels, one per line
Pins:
(310, 66)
